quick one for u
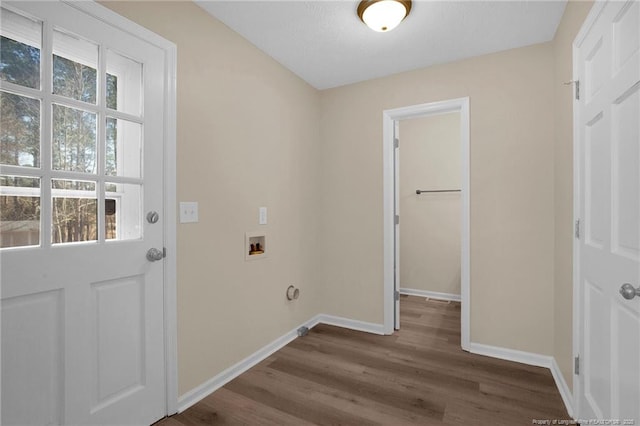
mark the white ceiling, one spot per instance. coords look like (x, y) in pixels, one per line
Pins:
(326, 44)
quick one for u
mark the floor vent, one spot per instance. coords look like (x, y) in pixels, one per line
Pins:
(446, 302)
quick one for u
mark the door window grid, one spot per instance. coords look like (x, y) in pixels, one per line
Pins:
(106, 82)
(20, 207)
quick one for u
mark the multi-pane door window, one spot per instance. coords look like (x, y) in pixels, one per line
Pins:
(71, 137)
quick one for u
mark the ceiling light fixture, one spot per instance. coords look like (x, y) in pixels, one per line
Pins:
(383, 15)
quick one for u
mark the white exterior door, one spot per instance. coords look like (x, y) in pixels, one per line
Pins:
(81, 165)
(607, 63)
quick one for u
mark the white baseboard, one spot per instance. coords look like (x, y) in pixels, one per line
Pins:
(528, 358)
(430, 294)
(563, 388)
(368, 327)
(200, 392)
(194, 395)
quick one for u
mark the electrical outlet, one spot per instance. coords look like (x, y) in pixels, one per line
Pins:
(189, 212)
(262, 216)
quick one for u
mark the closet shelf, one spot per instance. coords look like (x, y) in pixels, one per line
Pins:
(420, 191)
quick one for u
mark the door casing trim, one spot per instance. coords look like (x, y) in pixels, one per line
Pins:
(389, 116)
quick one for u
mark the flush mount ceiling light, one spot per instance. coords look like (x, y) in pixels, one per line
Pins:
(383, 15)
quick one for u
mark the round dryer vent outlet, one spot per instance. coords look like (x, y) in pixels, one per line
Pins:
(292, 293)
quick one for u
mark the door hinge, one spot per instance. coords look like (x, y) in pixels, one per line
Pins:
(397, 220)
(576, 365)
(577, 90)
(164, 252)
(396, 295)
(577, 229)
(396, 143)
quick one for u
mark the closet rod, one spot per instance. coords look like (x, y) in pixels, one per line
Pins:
(420, 191)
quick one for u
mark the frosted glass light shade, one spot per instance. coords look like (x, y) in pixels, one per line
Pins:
(383, 15)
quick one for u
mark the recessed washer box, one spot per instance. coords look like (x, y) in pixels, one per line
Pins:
(255, 245)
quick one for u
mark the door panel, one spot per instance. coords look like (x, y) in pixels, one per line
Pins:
(595, 69)
(32, 324)
(625, 34)
(596, 364)
(118, 315)
(82, 307)
(626, 198)
(597, 172)
(608, 142)
(626, 369)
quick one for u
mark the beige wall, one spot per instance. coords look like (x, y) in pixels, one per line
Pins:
(430, 226)
(511, 113)
(574, 15)
(247, 137)
(250, 134)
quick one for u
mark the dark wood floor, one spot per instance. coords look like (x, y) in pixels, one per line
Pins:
(419, 375)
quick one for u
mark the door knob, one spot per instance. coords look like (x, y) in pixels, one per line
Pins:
(628, 292)
(153, 255)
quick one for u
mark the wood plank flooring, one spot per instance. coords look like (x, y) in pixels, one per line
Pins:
(417, 376)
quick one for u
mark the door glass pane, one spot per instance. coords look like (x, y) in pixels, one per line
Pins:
(75, 62)
(75, 211)
(123, 207)
(19, 211)
(123, 148)
(112, 91)
(19, 130)
(124, 83)
(74, 140)
(20, 49)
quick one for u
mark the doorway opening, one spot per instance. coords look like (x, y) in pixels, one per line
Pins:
(392, 207)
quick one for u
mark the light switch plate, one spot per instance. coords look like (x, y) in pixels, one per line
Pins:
(188, 212)
(262, 216)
